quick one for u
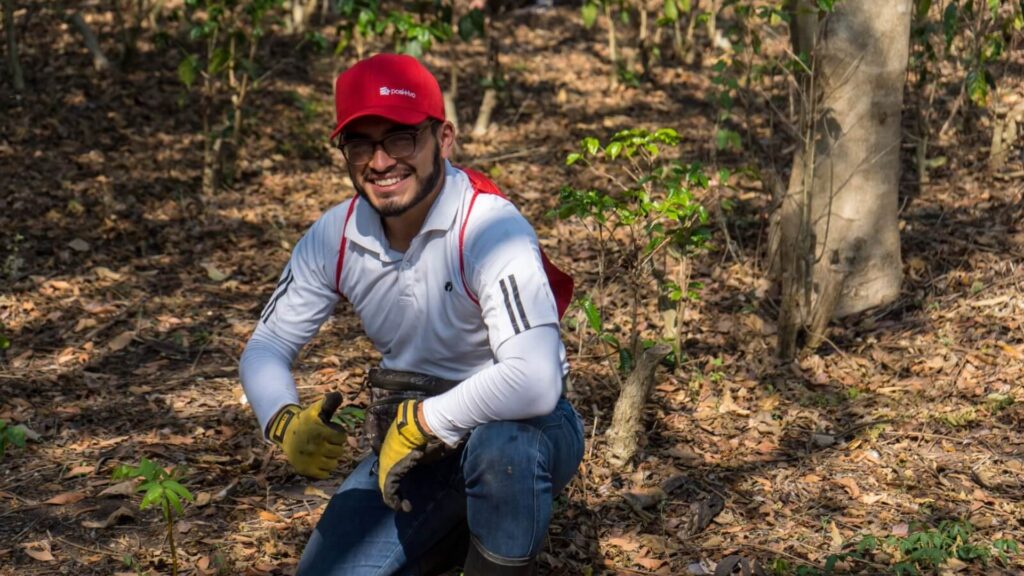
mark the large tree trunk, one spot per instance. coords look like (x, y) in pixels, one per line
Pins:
(838, 233)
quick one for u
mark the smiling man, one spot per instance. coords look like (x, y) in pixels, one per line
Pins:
(472, 436)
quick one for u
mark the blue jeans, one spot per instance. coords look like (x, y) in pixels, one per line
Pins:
(502, 482)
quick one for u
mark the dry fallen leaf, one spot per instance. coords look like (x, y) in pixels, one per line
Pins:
(39, 551)
(215, 273)
(122, 513)
(836, 536)
(850, 485)
(79, 245)
(106, 273)
(269, 516)
(202, 499)
(80, 471)
(626, 542)
(872, 498)
(727, 405)
(126, 488)
(121, 341)
(314, 491)
(66, 498)
(649, 563)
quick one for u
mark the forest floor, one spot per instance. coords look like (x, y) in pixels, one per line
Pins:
(128, 296)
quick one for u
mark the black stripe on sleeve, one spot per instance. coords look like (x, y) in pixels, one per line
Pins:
(508, 306)
(519, 303)
(282, 287)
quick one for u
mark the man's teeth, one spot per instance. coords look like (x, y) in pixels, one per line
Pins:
(388, 181)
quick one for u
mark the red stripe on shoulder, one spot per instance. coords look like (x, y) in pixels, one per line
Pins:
(562, 285)
(343, 243)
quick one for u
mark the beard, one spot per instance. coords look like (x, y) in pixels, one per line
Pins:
(428, 186)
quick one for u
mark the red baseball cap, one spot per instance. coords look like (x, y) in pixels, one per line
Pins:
(395, 86)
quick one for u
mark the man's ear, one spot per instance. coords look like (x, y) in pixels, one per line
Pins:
(446, 138)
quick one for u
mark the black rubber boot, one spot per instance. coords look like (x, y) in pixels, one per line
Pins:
(481, 563)
(447, 553)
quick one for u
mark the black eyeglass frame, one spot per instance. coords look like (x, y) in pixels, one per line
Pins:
(345, 146)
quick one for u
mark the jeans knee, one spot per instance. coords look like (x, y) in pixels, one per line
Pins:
(504, 455)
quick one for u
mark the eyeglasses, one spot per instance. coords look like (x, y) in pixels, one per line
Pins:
(396, 145)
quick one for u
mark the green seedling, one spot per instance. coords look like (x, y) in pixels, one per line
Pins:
(10, 436)
(924, 551)
(161, 489)
(647, 215)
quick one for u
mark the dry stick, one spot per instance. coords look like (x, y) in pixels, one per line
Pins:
(99, 59)
(613, 78)
(13, 63)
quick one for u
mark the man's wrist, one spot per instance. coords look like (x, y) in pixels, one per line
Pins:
(280, 422)
(421, 420)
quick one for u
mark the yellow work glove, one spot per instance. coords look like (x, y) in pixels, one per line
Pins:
(312, 443)
(403, 447)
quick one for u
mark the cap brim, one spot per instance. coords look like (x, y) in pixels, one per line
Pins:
(393, 113)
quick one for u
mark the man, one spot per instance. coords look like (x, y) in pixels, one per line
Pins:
(451, 286)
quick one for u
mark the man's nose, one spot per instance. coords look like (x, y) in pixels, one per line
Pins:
(380, 158)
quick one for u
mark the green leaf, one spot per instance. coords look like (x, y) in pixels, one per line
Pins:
(187, 70)
(671, 11)
(177, 489)
(728, 139)
(573, 158)
(950, 23)
(219, 60)
(977, 86)
(827, 6)
(591, 145)
(613, 150)
(923, 6)
(153, 496)
(471, 25)
(593, 315)
(610, 339)
(173, 500)
(589, 14)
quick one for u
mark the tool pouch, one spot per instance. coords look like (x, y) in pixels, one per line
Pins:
(388, 389)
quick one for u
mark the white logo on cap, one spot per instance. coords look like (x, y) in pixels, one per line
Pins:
(385, 91)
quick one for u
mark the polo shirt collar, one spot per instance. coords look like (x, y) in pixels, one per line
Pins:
(367, 230)
(446, 205)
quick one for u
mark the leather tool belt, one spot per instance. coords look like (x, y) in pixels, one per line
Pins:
(388, 389)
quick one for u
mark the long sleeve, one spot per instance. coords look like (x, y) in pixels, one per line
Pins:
(525, 382)
(303, 300)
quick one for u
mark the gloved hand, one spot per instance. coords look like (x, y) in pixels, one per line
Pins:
(312, 443)
(404, 445)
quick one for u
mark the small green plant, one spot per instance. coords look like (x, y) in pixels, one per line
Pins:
(350, 417)
(999, 402)
(229, 33)
(958, 418)
(10, 436)
(411, 32)
(5, 342)
(163, 490)
(648, 217)
(923, 551)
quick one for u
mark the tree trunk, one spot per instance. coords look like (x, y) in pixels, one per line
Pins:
(490, 101)
(13, 63)
(99, 60)
(838, 227)
(628, 418)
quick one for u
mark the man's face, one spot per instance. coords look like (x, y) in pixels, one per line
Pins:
(394, 185)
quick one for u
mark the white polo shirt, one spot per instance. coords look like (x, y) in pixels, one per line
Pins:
(414, 306)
